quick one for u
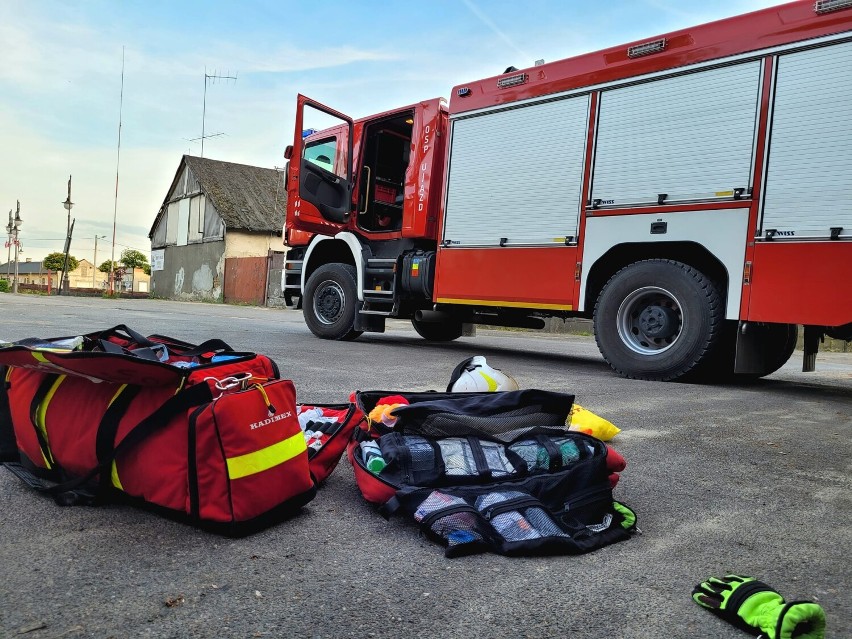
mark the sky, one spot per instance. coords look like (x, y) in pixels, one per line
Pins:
(61, 85)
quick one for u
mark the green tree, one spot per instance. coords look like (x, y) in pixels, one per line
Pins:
(104, 267)
(56, 262)
(131, 258)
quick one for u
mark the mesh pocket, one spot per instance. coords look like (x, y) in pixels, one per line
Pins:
(511, 525)
(537, 457)
(436, 501)
(528, 521)
(543, 523)
(504, 427)
(460, 525)
(495, 458)
(457, 456)
(568, 451)
(457, 528)
(422, 453)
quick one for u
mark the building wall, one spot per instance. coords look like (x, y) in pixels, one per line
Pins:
(275, 280)
(248, 244)
(86, 276)
(195, 272)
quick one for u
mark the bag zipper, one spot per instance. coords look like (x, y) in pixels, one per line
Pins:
(586, 497)
(516, 503)
(446, 512)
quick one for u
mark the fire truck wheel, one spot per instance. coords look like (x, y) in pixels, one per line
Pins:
(331, 301)
(438, 331)
(658, 320)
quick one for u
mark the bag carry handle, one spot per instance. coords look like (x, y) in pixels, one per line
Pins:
(149, 350)
(211, 345)
(172, 407)
(135, 337)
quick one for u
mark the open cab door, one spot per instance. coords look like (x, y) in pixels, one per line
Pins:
(319, 190)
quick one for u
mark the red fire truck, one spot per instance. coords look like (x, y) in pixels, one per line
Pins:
(691, 193)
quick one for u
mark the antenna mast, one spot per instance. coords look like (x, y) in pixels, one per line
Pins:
(117, 162)
(210, 77)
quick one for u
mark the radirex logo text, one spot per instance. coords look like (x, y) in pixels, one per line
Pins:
(271, 420)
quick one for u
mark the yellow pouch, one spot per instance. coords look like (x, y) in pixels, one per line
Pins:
(585, 421)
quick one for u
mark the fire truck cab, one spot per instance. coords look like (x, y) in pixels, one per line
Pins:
(690, 193)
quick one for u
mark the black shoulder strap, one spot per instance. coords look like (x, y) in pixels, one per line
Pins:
(8, 443)
(39, 398)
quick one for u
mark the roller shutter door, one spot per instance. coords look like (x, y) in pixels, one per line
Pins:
(809, 171)
(690, 137)
(516, 175)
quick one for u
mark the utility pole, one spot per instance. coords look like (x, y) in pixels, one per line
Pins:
(95, 270)
(210, 77)
(16, 224)
(64, 285)
(9, 249)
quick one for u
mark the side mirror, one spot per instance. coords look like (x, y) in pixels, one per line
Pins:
(288, 152)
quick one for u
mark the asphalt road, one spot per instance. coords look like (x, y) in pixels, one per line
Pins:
(753, 479)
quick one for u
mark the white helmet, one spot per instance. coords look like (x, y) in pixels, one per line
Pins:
(475, 375)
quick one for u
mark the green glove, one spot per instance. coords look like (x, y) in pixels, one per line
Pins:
(753, 606)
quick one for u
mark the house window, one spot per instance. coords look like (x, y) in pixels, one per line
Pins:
(183, 222)
(172, 224)
(196, 218)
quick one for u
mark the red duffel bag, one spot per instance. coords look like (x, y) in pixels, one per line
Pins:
(202, 433)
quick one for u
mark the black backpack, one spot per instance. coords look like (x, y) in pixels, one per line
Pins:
(491, 472)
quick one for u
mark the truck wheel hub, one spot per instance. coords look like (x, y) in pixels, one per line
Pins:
(329, 302)
(649, 320)
(658, 322)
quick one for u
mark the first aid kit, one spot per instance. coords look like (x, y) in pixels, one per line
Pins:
(497, 472)
(202, 433)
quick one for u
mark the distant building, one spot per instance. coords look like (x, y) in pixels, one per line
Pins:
(86, 275)
(29, 272)
(135, 280)
(215, 230)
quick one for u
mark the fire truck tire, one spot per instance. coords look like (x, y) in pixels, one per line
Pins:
(438, 331)
(331, 301)
(658, 320)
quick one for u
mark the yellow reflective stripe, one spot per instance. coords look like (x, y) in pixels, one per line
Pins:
(41, 413)
(117, 393)
(506, 303)
(266, 458)
(114, 475)
(114, 472)
(39, 357)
